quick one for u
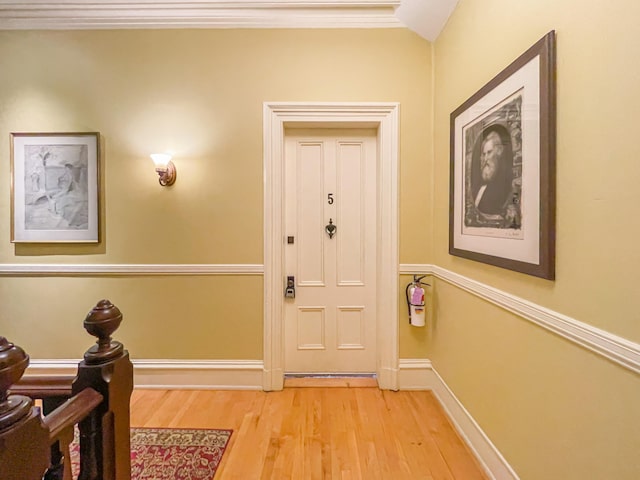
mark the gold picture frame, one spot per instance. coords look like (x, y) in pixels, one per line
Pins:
(55, 187)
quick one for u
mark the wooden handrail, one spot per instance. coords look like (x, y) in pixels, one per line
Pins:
(60, 424)
(71, 412)
(43, 386)
(96, 399)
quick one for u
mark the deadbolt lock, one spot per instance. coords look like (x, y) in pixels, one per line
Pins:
(290, 289)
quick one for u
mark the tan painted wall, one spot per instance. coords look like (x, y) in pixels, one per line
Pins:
(555, 410)
(597, 154)
(200, 94)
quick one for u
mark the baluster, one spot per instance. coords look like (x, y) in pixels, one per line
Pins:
(58, 452)
(24, 440)
(105, 450)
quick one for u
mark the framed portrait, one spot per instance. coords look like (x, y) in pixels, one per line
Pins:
(502, 179)
(54, 187)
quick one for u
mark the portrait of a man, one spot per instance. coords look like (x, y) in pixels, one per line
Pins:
(493, 171)
(491, 184)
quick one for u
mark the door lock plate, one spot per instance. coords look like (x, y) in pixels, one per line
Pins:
(290, 289)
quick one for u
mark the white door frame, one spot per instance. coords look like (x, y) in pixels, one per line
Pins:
(384, 117)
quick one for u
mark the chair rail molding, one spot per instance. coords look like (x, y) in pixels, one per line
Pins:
(617, 349)
(53, 269)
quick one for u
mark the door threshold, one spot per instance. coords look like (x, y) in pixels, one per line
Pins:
(325, 380)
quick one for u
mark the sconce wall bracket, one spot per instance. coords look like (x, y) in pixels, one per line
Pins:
(167, 176)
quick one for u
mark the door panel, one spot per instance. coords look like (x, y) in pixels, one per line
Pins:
(310, 210)
(351, 211)
(330, 175)
(311, 328)
(351, 324)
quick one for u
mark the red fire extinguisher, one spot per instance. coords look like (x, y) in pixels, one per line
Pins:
(415, 301)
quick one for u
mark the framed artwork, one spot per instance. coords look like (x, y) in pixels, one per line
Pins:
(54, 187)
(502, 182)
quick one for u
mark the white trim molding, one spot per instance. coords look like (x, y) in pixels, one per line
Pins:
(384, 116)
(174, 374)
(617, 349)
(199, 374)
(50, 269)
(117, 14)
(414, 374)
(419, 374)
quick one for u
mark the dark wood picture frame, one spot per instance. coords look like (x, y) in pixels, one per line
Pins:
(502, 170)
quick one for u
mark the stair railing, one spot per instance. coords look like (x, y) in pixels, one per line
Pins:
(33, 446)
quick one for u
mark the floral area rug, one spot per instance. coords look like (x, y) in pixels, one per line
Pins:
(171, 453)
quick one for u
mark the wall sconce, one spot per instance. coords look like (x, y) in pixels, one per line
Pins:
(165, 168)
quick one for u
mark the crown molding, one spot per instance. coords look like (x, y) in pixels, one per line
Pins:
(119, 14)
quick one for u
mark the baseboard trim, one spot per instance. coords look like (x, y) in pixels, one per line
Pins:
(414, 374)
(617, 349)
(175, 374)
(419, 374)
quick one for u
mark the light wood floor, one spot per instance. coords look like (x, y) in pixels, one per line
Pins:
(318, 433)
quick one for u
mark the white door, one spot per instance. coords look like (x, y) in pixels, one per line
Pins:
(330, 179)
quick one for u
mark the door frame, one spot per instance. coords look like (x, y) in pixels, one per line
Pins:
(385, 117)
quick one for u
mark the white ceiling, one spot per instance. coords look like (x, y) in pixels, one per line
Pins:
(425, 17)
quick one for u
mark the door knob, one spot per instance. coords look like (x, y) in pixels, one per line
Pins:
(330, 228)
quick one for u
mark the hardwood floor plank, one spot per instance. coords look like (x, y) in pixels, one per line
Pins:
(454, 451)
(420, 446)
(143, 405)
(380, 462)
(319, 433)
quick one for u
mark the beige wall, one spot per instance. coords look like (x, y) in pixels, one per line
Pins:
(555, 410)
(597, 155)
(198, 93)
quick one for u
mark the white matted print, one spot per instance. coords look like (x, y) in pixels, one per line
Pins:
(502, 192)
(55, 188)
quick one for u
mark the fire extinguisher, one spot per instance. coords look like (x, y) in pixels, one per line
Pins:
(415, 301)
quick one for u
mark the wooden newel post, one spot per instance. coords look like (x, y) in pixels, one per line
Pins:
(24, 440)
(105, 450)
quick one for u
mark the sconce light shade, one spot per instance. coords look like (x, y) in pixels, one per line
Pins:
(165, 168)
